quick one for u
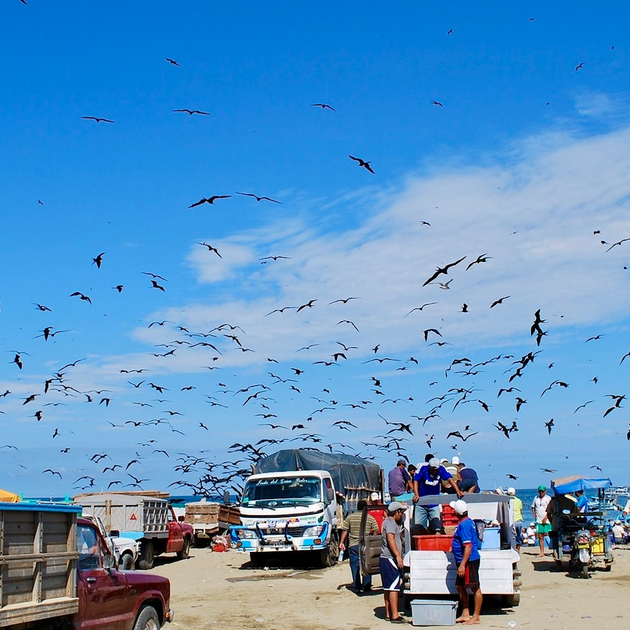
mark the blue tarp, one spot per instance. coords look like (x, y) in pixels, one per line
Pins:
(572, 484)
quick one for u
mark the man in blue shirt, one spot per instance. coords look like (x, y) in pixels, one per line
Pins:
(427, 482)
(466, 552)
(582, 501)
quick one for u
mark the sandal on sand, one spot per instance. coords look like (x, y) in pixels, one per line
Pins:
(398, 620)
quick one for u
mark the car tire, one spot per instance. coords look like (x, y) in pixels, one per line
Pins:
(147, 555)
(126, 562)
(185, 550)
(147, 619)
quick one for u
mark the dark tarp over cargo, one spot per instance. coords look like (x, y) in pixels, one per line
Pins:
(347, 471)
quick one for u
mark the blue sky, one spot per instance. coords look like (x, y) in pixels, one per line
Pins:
(475, 121)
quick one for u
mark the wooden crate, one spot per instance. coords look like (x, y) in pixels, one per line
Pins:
(38, 562)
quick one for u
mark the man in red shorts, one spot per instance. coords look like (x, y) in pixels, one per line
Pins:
(466, 552)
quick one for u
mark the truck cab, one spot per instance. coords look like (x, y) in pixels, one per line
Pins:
(109, 598)
(289, 511)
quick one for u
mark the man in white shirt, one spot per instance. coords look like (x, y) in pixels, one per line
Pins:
(539, 510)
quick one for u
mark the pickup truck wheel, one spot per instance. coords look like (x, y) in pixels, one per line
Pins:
(147, 619)
(185, 550)
(147, 555)
(126, 562)
(510, 601)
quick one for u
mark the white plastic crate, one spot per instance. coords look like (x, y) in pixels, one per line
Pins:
(433, 612)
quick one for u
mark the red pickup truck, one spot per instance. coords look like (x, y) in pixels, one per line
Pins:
(58, 572)
(112, 599)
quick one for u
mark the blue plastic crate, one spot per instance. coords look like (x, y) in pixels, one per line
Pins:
(491, 538)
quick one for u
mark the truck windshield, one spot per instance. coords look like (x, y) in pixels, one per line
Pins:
(278, 491)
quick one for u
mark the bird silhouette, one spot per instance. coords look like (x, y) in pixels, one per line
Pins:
(362, 163)
(211, 249)
(257, 198)
(98, 120)
(419, 308)
(190, 112)
(323, 106)
(82, 296)
(172, 62)
(443, 270)
(209, 200)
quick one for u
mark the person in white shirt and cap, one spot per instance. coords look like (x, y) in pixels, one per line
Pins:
(393, 549)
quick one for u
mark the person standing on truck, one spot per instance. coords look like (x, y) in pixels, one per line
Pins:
(399, 480)
(393, 549)
(466, 552)
(351, 531)
(427, 483)
(469, 479)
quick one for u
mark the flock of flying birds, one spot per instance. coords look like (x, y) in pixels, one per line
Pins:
(156, 418)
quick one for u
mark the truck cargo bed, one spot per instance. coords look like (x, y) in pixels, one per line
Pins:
(38, 562)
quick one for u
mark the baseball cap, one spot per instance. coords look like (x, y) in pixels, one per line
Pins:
(394, 506)
(542, 488)
(434, 463)
(455, 460)
(401, 461)
(460, 507)
(511, 492)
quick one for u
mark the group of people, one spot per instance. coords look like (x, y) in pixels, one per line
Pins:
(430, 478)
(394, 545)
(407, 484)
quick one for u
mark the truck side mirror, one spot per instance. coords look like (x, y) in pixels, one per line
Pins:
(109, 562)
(226, 497)
(330, 495)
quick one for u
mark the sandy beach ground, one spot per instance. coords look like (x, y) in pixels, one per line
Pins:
(222, 591)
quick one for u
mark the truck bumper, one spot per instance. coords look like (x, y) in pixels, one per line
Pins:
(258, 540)
(255, 546)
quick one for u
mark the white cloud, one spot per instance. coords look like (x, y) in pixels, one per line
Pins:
(534, 219)
(594, 104)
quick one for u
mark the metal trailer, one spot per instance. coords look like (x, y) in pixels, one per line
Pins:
(208, 519)
(38, 562)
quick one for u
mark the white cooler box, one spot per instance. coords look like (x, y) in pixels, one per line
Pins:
(433, 612)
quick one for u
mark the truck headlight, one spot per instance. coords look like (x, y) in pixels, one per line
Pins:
(313, 531)
(246, 533)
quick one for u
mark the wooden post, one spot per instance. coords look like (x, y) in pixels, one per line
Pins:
(38, 547)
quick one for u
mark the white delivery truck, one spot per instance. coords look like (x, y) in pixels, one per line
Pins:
(125, 550)
(150, 520)
(296, 500)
